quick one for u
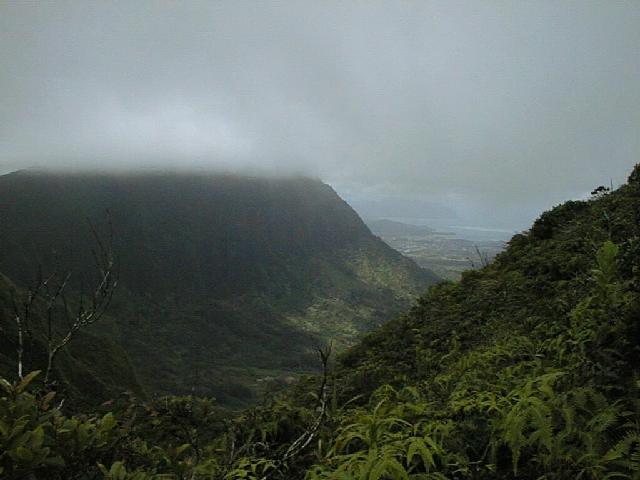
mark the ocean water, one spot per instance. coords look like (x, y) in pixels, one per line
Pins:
(461, 230)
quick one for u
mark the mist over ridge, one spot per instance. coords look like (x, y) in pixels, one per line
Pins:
(494, 110)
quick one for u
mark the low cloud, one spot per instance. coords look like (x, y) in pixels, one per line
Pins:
(489, 108)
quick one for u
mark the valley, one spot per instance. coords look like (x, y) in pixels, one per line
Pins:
(539, 346)
(227, 278)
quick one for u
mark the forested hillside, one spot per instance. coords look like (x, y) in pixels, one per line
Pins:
(226, 283)
(527, 369)
(183, 297)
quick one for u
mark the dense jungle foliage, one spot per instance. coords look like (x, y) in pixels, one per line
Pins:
(527, 369)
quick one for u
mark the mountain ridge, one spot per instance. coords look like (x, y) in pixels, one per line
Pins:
(284, 262)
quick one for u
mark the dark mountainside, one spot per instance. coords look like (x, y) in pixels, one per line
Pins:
(226, 281)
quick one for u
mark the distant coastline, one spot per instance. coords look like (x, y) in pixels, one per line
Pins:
(444, 226)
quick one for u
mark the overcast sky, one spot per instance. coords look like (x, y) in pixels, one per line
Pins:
(492, 109)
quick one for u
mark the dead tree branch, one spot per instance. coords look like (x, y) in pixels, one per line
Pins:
(48, 293)
(300, 443)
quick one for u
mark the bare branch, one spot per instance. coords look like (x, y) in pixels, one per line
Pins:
(101, 297)
(309, 434)
(484, 259)
(49, 293)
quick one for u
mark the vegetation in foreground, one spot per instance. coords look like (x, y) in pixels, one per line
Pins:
(528, 368)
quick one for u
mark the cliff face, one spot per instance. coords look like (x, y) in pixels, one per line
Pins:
(227, 277)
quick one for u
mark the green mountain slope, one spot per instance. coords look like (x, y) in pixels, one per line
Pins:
(226, 282)
(542, 277)
(528, 368)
